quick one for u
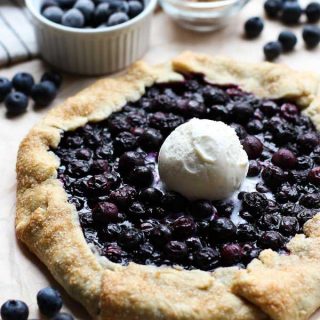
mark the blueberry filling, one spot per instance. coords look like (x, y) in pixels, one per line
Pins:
(109, 170)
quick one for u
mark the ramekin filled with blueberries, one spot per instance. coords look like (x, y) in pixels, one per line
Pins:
(92, 37)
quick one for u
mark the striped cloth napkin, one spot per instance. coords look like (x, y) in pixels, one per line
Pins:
(17, 38)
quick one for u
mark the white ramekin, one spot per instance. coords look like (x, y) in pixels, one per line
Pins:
(92, 51)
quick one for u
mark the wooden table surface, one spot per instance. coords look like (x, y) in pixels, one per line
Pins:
(21, 275)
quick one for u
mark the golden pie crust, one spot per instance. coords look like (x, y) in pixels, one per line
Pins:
(272, 287)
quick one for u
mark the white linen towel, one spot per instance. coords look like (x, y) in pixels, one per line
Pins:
(17, 38)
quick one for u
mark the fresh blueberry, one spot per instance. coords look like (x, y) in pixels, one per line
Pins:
(66, 4)
(272, 50)
(253, 27)
(48, 3)
(291, 12)
(16, 103)
(73, 18)
(102, 13)
(49, 301)
(313, 12)
(288, 40)
(5, 88)
(311, 36)
(43, 93)
(135, 8)
(23, 82)
(52, 76)
(273, 8)
(63, 316)
(53, 14)
(14, 310)
(119, 6)
(87, 8)
(117, 18)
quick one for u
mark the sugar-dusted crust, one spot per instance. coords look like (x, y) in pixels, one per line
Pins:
(273, 287)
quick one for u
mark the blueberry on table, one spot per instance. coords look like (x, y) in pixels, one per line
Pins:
(135, 8)
(272, 50)
(291, 12)
(5, 87)
(43, 93)
(311, 36)
(273, 8)
(87, 8)
(253, 27)
(16, 103)
(52, 76)
(23, 82)
(73, 18)
(53, 14)
(102, 13)
(313, 12)
(63, 316)
(66, 4)
(288, 40)
(117, 18)
(14, 310)
(49, 301)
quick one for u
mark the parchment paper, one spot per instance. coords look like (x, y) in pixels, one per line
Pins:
(21, 275)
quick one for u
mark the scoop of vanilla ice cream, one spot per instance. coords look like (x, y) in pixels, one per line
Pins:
(203, 159)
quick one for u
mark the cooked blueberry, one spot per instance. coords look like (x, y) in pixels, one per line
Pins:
(23, 82)
(272, 50)
(308, 142)
(273, 176)
(43, 93)
(129, 160)
(240, 130)
(289, 225)
(273, 8)
(269, 221)
(254, 168)
(313, 12)
(288, 40)
(247, 231)
(73, 18)
(314, 176)
(222, 229)
(135, 8)
(207, 258)
(14, 310)
(231, 253)
(242, 112)
(53, 14)
(124, 141)
(287, 192)
(150, 140)
(255, 126)
(160, 235)
(5, 88)
(183, 227)
(254, 202)
(102, 13)
(202, 209)
(63, 316)
(114, 253)
(87, 8)
(252, 146)
(165, 122)
(304, 215)
(176, 250)
(224, 207)
(311, 36)
(253, 27)
(105, 212)
(131, 238)
(271, 239)
(49, 301)
(173, 201)
(311, 201)
(213, 96)
(123, 196)
(141, 176)
(117, 18)
(284, 159)
(269, 108)
(136, 211)
(291, 12)
(16, 103)
(194, 244)
(150, 196)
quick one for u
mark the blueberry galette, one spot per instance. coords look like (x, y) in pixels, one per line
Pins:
(109, 195)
